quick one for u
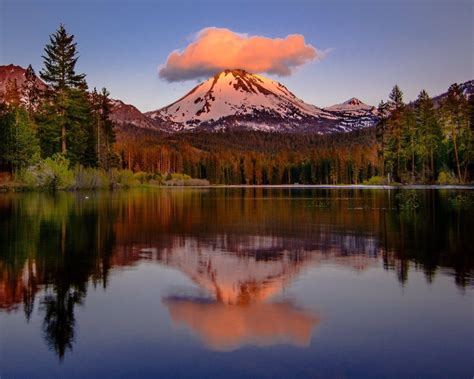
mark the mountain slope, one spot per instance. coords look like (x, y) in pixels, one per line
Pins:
(467, 88)
(13, 72)
(238, 99)
(353, 106)
(126, 116)
(234, 92)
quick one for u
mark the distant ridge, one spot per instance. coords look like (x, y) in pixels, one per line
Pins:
(237, 100)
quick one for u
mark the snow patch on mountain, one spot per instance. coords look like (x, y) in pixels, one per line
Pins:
(234, 93)
(353, 106)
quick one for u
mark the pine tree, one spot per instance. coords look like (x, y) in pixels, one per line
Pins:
(409, 141)
(393, 153)
(469, 169)
(103, 128)
(80, 136)
(381, 131)
(428, 133)
(66, 87)
(30, 90)
(60, 62)
(455, 119)
(108, 156)
(396, 98)
(18, 142)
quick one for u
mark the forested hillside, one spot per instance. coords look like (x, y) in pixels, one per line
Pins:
(245, 157)
(412, 143)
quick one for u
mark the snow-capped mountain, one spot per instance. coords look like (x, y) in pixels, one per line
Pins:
(354, 114)
(352, 106)
(238, 99)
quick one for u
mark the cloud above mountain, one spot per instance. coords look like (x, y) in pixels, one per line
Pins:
(215, 49)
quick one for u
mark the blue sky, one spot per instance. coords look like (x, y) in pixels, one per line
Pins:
(373, 44)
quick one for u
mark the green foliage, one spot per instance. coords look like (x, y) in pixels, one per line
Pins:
(408, 200)
(52, 173)
(447, 177)
(376, 181)
(396, 98)
(103, 129)
(60, 61)
(65, 122)
(122, 178)
(428, 137)
(176, 179)
(142, 177)
(18, 143)
(457, 132)
(177, 176)
(187, 182)
(90, 178)
(416, 140)
(68, 113)
(55, 174)
(148, 177)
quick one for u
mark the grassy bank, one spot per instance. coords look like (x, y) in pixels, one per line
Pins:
(56, 173)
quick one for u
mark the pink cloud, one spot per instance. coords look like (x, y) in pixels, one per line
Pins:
(217, 49)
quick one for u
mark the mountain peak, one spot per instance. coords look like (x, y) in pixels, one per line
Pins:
(235, 93)
(353, 101)
(235, 72)
(353, 105)
(235, 98)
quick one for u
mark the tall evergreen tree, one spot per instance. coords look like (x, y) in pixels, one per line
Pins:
(469, 170)
(60, 62)
(104, 128)
(381, 131)
(428, 134)
(65, 123)
(410, 141)
(394, 153)
(396, 98)
(18, 143)
(458, 134)
(109, 157)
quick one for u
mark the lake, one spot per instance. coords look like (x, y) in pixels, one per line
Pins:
(236, 282)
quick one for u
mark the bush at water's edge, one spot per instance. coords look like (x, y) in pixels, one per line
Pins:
(55, 173)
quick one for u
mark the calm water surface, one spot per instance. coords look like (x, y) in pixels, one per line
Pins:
(235, 283)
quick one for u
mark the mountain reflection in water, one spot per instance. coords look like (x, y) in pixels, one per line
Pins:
(241, 286)
(242, 247)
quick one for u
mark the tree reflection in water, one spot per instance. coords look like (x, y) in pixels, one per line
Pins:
(242, 246)
(59, 320)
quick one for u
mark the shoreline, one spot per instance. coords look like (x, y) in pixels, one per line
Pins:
(340, 186)
(6, 189)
